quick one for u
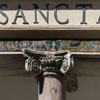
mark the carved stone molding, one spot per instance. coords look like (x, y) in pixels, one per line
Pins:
(58, 62)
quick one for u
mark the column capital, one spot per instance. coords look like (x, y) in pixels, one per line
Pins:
(59, 62)
(41, 61)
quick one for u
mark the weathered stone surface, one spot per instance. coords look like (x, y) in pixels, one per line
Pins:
(53, 87)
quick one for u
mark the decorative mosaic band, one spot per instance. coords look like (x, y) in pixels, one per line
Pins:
(72, 45)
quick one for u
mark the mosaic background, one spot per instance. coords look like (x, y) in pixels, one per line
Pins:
(72, 45)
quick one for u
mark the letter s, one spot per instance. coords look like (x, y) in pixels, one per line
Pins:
(3, 14)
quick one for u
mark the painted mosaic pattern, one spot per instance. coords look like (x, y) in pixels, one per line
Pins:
(52, 45)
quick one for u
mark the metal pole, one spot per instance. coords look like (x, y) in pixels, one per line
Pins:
(52, 86)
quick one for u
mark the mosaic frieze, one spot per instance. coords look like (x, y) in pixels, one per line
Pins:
(52, 45)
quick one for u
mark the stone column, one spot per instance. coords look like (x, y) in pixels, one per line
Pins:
(53, 71)
(52, 86)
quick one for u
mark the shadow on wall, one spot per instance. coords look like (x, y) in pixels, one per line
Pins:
(89, 89)
(18, 88)
(25, 88)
